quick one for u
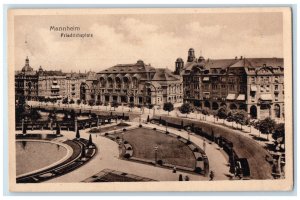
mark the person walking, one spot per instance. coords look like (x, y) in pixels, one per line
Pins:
(186, 178)
(211, 175)
(174, 169)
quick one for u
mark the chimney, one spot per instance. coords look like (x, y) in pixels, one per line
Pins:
(235, 58)
(241, 57)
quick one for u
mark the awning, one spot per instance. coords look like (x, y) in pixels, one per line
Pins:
(137, 76)
(266, 97)
(253, 88)
(119, 76)
(112, 76)
(54, 86)
(206, 79)
(230, 97)
(241, 97)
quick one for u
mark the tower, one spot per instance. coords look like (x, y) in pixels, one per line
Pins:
(178, 66)
(191, 55)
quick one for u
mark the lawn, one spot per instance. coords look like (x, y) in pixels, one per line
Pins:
(170, 150)
(243, 146)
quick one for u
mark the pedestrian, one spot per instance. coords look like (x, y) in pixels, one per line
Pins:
(174, 169)
(180, 177)
(211, 175)
(187, 178)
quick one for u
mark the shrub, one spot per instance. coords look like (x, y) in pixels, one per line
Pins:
(199, 159)
(178, 137)
(124, 129)
(123, 124)
(125, 142)
(167, 132)
(106, 134)
(94, 130)
(160, 162)
(154, 129)
(126, 155)
(195, 150)
(140, 125)
(117, 137)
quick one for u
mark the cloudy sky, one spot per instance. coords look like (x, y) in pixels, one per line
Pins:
(155, 38)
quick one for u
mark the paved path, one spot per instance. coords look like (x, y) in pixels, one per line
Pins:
(108, 157)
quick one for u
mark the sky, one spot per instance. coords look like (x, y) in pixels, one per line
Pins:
(157, 39)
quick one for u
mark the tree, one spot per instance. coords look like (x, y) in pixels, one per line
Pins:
(20, 108)
(168, 107)
(222, 113)
(98, 103)
(186, 108)
(279, 133)
(34, 115)
(240, 117)
(114, 104)
(52, 115)
(150, 106)
(65, 100)
(91, 102)
(266, 126)
(131, 106)
(72, 101)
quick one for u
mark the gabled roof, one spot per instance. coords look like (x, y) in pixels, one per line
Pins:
(259, 62)
(164, 74)
(138, 67)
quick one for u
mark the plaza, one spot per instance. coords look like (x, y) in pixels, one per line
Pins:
(112, 130)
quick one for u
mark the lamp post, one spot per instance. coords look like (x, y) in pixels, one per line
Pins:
(155, 150)
(188, 132)
(166, 126)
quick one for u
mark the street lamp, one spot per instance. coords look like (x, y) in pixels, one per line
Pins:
(204, 145)
(155, 150)
(166, 126)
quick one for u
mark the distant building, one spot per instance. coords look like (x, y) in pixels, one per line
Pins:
(139, 83)
(42, 84)
(255, 85)
(26, 82)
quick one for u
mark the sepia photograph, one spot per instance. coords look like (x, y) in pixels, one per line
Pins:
(150, 99)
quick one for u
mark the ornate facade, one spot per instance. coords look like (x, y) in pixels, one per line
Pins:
(40, 84)
(251, 84)
(138, 83)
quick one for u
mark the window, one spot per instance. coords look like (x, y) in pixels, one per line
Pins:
(214, 87)
(276, 87)
(262, 88)
(223, 86)
(267, 88)
(231, 87)
(276, 79)
(276, 96)
(253, 79)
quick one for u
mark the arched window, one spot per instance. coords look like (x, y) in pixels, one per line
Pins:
(277, 110)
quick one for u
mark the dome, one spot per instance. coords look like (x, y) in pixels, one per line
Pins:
(201, 58)
(179, 60)
(27, 67)
(140, 62)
